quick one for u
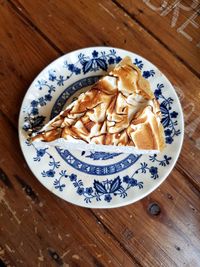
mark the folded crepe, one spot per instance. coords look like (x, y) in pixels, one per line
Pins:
(119, 110)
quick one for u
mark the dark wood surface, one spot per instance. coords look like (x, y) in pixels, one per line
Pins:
(36, 227)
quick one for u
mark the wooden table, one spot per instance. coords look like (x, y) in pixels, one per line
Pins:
(36, 227)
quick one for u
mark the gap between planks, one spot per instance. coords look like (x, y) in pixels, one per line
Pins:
(25, 19)
(114, 238)
(156, 38)
(32, 25)
(51, 43)
(183, 172)
(19, 11)
(99, 219)
(178, 166)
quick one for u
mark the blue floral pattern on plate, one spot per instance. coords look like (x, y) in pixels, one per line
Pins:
(107, 188)
(99, 179)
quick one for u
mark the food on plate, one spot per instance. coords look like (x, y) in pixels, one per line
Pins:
(119, 110)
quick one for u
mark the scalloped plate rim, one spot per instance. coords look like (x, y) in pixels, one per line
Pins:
(123, 202)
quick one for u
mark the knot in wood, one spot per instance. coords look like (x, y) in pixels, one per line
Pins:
(154, 209)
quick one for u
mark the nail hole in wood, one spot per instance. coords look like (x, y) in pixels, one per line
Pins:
(177, 248)
(154, 209)
(54, 255)
(169, 196)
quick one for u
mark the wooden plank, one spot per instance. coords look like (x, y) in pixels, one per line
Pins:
(179, 26)
(37, 236)
(110, 17)
(38, 229)
(134, 229)
(169, 238)
(23, 54)
(26, 217)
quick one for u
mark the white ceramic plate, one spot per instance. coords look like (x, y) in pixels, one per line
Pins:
(96, 179)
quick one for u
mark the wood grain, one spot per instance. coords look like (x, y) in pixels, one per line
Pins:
(157, 239)
(39, 229)
(22, 55)
(130, 36)
(35, 223)
(178, 30)
(46, 240)
(28, 227)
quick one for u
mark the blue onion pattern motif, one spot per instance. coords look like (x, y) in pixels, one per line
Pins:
(101, 155)
(154, 172)
(144, 168)
(32, 121)
(138, 63)
(40, 153)
(52, 75)
(49, 173)
(169, 116)
(99, 60)
(164, 162)
(95, 169)
(105, 189)
(84, 64)
(73, 177)
(57, 182)
(53, 164)
(147, 73)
